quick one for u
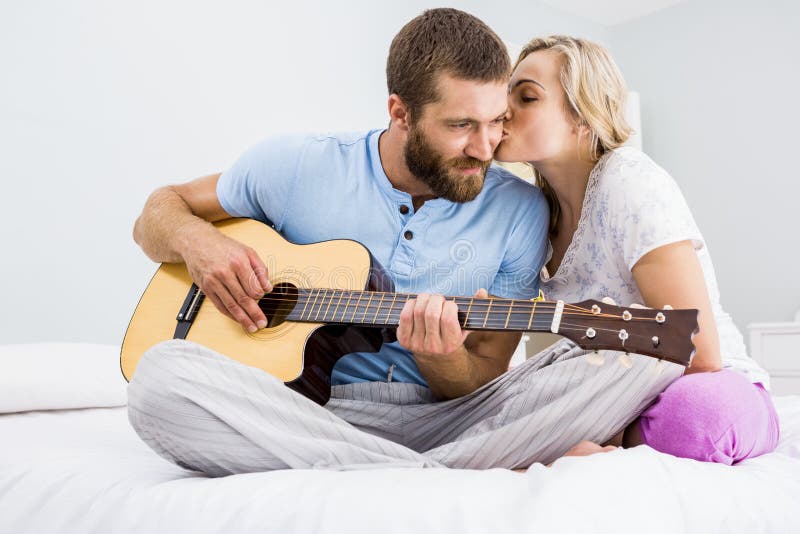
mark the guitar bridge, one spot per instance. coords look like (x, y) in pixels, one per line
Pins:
(188, 312)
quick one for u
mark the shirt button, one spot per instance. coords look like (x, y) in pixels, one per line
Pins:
(403, 209)
(408, 234)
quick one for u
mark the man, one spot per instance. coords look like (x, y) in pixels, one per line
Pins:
(422, 196)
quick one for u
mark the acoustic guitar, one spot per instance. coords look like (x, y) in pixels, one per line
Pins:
(333, 298)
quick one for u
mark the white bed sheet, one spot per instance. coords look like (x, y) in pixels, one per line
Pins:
(85, 471)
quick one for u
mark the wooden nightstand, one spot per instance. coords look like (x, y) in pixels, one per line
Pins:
(776, 346)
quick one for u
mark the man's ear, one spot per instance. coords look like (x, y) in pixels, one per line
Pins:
(398, 113)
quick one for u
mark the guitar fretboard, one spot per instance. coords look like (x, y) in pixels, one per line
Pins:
(377, 309)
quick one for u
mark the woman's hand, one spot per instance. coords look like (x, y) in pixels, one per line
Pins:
(672, 273)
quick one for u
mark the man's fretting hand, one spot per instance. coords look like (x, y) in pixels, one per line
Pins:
(429, 325)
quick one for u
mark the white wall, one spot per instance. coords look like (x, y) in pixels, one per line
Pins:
(102, 102)
(719, 82)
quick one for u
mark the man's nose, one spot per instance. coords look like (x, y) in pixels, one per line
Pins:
(482, 144)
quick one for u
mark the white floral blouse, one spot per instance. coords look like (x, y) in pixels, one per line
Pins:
(633, 206)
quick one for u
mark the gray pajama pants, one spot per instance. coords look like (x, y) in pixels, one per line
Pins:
(204, 411)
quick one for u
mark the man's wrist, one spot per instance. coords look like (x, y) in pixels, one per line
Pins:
(448, 375)
(188, 234)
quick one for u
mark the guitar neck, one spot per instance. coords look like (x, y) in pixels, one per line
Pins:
(377, 309)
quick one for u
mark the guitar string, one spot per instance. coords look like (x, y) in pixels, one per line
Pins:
(501, 304)
(328, 296)
(359, 308)
(523, 326)
(351, 292)
(330, 293)
(394, 313)
(542, 323)
(383, 315)
(382, 309)
(489, 300)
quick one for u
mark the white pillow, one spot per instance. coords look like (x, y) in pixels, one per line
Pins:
(58, 376)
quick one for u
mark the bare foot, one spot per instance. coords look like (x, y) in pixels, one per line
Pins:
(616, 440)
(585, 448)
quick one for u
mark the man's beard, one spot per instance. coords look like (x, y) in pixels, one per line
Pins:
(429, 166)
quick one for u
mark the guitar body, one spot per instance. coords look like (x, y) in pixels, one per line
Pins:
(300, 354)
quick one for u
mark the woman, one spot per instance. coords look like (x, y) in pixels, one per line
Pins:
(621, 228)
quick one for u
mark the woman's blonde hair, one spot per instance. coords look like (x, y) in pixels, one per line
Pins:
(596, 96)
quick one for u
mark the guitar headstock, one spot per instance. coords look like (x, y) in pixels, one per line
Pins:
(663, 334)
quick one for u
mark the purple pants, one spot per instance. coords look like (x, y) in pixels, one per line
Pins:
(712, 417)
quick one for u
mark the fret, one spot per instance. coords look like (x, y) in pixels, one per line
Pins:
(346, 304)
(469, 308)
(510, 306)
(378, 309)
(488, 309)
(533, 312)
(319, 293)
(355, 308)
(326, 306)
(308, 298)
(338, 303)
(364, 318)
(332, 318)
(391, 309)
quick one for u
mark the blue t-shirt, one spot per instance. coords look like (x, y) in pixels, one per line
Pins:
(318, 188)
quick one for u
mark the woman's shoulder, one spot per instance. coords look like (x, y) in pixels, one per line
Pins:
(629, 164)
(630, 175)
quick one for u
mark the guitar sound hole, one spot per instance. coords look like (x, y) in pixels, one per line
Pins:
(279, 303)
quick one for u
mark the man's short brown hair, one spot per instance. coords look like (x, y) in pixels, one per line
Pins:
(441, 41)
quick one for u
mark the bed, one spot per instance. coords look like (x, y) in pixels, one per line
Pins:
(69, 462)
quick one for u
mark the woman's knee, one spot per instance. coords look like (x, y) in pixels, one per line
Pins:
(714, 417)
